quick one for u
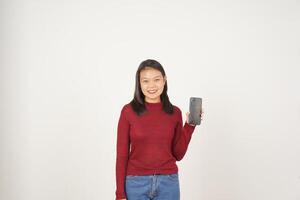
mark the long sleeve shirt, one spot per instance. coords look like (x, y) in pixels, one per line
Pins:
(149, 144)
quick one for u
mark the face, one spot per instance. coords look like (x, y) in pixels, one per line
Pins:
(152, 84)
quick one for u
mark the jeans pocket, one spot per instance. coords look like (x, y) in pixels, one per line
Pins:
(173, 177)
(132, 178)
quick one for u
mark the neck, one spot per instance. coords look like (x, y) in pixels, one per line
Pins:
(153, 104)
(152, 100)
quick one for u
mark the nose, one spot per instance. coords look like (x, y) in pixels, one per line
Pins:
(151, 85)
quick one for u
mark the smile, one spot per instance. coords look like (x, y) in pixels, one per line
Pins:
(152, 91)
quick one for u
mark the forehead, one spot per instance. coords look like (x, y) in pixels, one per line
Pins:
(149, 72)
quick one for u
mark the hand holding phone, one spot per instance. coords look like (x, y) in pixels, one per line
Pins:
(195, 109)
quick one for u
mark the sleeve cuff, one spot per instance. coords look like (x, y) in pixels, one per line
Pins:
(120, 196)
(189, 127)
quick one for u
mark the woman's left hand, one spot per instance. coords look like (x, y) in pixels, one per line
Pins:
(188, 113)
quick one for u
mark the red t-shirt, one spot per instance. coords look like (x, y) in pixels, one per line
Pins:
(149, 144)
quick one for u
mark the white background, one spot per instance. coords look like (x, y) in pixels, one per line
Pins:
(68, 67)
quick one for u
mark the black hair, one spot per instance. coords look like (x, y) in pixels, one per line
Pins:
(138, 101)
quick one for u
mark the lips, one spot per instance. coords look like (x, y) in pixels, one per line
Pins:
(152, 91)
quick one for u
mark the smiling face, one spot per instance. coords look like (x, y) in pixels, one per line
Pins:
(152, 84)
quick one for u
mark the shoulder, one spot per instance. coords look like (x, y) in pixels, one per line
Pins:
(176, 110)
(125, 111)
(126, 107)
(177, 114)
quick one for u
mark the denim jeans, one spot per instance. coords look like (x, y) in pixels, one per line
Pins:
(152, 187)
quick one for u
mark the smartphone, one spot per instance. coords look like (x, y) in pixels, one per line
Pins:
(195, 109)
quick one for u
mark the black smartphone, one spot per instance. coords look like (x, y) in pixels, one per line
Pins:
(195, 109)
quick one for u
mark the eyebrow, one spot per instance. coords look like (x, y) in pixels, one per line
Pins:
(153, 77)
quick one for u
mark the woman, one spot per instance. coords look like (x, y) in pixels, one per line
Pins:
(150, 139)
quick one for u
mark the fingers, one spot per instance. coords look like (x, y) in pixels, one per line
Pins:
(201, 114)
(187, 116)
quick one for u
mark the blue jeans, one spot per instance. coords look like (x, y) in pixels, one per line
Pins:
(152, 187)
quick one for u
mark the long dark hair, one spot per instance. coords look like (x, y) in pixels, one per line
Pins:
(138, 102)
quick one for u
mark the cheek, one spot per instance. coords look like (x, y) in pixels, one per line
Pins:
(161, 86)
(142, 86)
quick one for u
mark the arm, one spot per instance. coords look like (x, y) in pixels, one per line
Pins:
(181, 140)
(123, 146)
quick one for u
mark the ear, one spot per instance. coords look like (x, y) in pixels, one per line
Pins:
(165, 78)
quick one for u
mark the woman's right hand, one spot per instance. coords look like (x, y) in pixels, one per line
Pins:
(188, 113)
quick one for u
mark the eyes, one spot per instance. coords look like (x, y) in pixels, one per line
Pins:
(155, 80)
